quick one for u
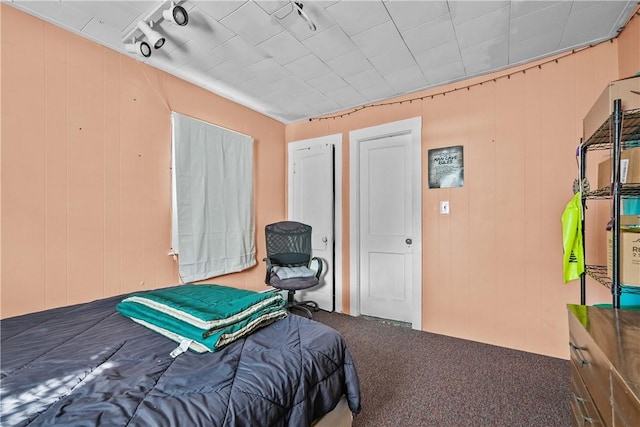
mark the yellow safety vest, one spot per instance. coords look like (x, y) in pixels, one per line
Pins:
(573, 257)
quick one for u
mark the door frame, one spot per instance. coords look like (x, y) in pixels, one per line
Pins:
(412, 126)
(336, 141)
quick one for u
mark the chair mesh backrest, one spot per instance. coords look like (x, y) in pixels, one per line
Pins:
(288, 243)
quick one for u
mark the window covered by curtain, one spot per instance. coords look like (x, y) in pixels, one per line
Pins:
(212, 216)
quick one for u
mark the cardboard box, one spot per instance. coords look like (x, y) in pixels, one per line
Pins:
(629, 257)
(629, 168)
(603, 107)
(629, 221)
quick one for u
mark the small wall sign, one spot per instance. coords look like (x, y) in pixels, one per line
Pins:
(446, 167)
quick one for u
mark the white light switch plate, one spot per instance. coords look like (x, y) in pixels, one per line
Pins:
(444, 207)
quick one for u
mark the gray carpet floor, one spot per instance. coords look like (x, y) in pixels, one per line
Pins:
(414, 378)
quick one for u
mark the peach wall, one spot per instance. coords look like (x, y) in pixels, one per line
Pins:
(86, 154)
(629, 40)
(492, 269)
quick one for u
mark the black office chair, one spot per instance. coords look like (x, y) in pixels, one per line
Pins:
(290, 266)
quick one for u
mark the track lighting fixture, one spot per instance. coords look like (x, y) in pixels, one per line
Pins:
(298, 7)
(139, 48)
(176, 14)
(155, 38)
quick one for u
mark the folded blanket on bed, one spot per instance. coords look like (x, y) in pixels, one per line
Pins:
(203, 317)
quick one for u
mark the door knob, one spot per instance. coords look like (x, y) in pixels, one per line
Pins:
(324, 239)
(408, 241)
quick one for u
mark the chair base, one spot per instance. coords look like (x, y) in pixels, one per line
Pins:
(305, 306)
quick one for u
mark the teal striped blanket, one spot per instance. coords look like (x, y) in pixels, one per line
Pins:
(203, 318)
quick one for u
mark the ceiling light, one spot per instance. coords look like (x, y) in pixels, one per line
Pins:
(139, 48)
(154, 37)
(298, 6)
(176, 14)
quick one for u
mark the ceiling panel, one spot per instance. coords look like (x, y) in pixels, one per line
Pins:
(356, 16)
(379, 39)
(329, 43)
(486, 27)
(264, 55)
(407, 17)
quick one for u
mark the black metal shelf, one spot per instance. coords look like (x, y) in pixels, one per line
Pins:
(599, 273)
(626, 190)
(621, 130)
(602, 138)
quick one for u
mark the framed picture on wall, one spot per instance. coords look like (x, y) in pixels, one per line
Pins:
(446, 167)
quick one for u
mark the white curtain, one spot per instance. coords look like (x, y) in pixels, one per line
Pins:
(213, 226)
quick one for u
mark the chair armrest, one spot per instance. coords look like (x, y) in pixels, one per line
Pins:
(267, 277)
(318, 262)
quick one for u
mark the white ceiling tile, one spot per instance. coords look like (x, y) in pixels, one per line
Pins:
(438, 56)
(522, 8)
(277, 65)
(252, 23)
(534, 47)
(393, 60)
(406, 80)
(202, 29)
(427, 36)
(463, 11)
(288, 18)
(268, 70)
(238, 52)
(291, 85)
(219, 9)
(365, 79)
(284, 48)
(595, 20)
(120, 17)
(378, 92)
(190, 53)
(491, 54)
(307, 67)
(272, 6)
(486, 27)
(327, 82)
(379, 39)
(356, 16)
(418, 13)
(329, 43)
(347, 97)
(98, 30)
(321, 108)
(351, 63)
(310, 97)
(442, 74)
(542, 21)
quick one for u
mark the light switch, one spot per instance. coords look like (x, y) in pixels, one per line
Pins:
(444, 207)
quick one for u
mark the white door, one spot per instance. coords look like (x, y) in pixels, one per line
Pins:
(386, 234)
(386, 221)
(311, 189)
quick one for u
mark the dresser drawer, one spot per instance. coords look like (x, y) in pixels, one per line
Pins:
(593, 367)
(582, 407)
(626, 406)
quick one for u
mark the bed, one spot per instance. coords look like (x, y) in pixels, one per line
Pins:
(88, 365)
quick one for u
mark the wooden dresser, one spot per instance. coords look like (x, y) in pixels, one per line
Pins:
(605, 368)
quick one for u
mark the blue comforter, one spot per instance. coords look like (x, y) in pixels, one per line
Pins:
(87, 365)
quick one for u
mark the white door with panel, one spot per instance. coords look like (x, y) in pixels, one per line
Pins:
(312, 202)
(386, 242)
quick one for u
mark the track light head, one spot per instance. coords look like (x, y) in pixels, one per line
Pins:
(139, 48)
(176, 14)
(154, 37)
(298, 7)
